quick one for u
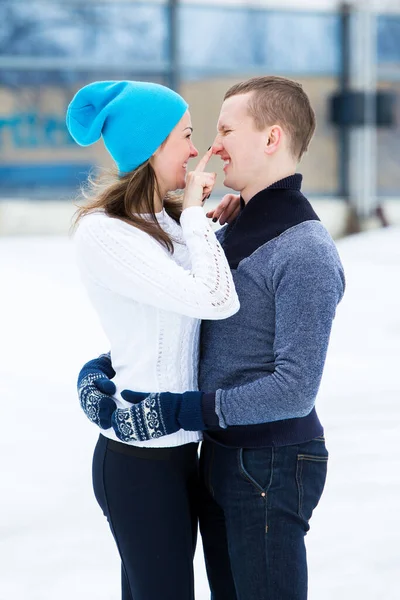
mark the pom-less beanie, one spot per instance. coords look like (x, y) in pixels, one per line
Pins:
(132, 117)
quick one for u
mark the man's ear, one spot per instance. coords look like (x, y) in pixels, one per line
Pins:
(274, 138)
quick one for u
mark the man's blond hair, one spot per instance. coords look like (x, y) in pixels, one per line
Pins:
(280, 101)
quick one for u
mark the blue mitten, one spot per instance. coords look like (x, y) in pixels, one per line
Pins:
(95, 390)
(155, 415)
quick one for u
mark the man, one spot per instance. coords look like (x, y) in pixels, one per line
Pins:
(263, 459)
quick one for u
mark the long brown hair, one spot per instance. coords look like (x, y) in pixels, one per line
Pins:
(128, 196)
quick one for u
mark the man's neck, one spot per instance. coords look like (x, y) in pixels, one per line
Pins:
(252, 189)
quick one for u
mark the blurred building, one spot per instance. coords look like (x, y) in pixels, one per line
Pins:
(48, 49)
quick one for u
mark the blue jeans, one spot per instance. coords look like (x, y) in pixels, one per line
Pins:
(254, 514)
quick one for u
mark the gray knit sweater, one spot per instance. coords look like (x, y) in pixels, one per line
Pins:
(264, 365)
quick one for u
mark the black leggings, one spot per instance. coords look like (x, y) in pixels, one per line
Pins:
(149, 496)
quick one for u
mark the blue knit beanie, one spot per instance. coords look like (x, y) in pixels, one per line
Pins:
(133, 117)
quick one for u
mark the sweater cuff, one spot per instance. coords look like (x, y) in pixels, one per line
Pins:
(193, 220)
(210, 417)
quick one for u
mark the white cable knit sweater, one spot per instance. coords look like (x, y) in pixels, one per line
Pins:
(150, 302)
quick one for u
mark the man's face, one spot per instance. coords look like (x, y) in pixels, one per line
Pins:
(239, 144)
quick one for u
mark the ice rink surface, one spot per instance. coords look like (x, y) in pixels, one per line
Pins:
(54, 541)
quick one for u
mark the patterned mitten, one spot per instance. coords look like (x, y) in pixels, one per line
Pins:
(155, 415)
(95, 390)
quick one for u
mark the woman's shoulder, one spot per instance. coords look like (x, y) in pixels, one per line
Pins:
(99, 223)
(99, 229)
(99, 218)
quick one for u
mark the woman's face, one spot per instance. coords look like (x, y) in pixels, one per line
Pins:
(170, 160)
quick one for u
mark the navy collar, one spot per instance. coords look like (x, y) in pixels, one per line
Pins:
(266, 216)
(292, 182)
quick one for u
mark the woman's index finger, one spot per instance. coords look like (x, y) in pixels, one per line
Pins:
(203, 162)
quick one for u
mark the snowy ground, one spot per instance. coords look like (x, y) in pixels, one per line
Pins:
(55, 543)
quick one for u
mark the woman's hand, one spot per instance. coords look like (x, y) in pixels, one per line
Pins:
(199, 184)
(227, 210)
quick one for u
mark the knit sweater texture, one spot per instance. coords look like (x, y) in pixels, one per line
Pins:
(150, 302)
(266, 362)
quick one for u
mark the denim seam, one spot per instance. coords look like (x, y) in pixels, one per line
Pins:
(299, 470)
(266, 495)
(266, 538)
(312, 457)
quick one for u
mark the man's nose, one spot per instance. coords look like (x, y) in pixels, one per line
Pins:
(217, 145)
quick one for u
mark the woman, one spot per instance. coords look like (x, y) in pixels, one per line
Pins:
(153, 270)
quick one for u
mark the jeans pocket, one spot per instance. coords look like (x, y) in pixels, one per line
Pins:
(256, 466)
(311, 470)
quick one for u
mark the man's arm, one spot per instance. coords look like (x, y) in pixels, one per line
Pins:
(152, 415)
(307, 286)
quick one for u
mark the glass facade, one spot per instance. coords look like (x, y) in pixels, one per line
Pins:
(49, 50)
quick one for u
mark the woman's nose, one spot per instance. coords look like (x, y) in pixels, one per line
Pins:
(193, 151)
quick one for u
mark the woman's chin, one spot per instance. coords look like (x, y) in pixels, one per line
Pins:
(180, 185)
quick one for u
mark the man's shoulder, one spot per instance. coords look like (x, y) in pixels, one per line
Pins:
(307, 243)
(307, 235)
(308, 250)
(301, 237)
